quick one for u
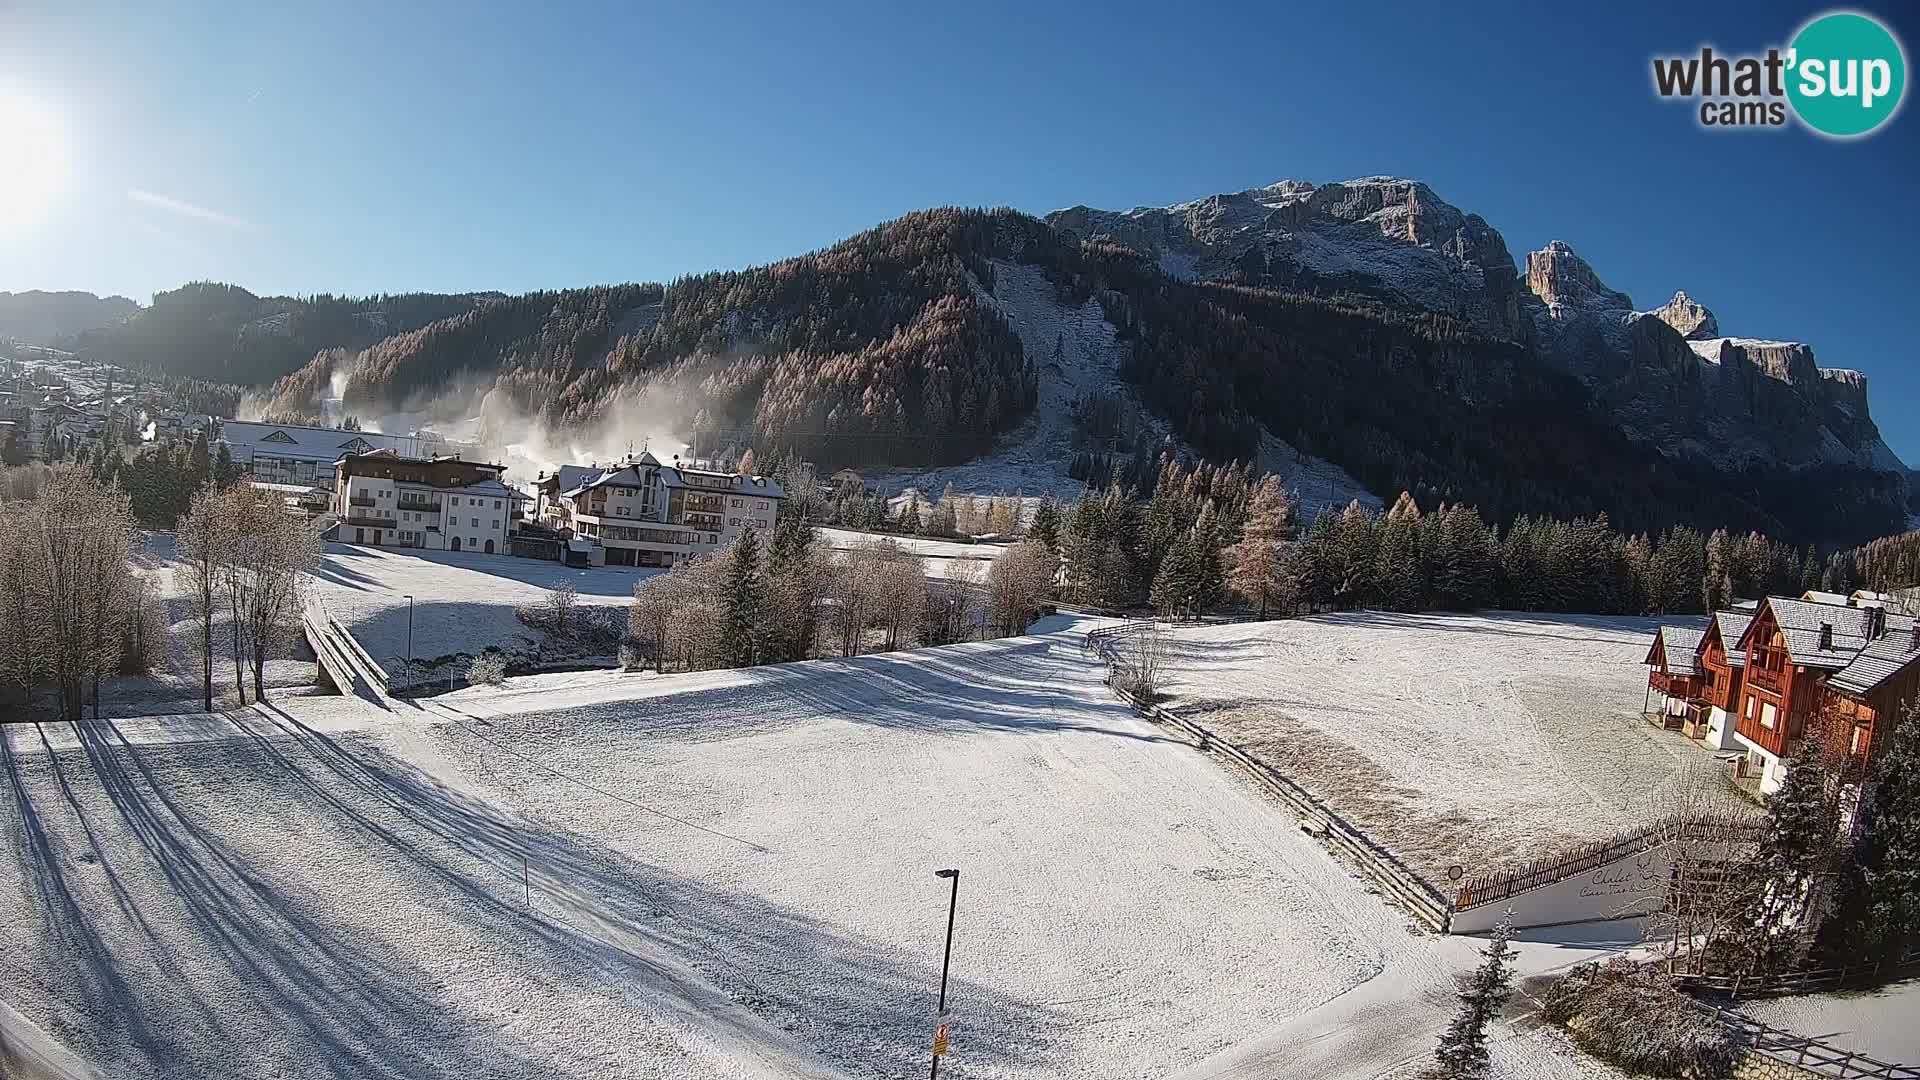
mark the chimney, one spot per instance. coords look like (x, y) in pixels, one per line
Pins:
(1916, 635)
(1876, 623)
(1826, 637)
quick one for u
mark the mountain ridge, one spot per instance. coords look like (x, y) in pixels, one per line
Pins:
(1396, 239)
(1542, 392)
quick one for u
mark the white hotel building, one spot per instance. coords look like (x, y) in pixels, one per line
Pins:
(444, 504)
(644, 513)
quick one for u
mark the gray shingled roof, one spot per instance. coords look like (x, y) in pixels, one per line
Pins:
(1800, 622)
(1682, 645)
(1877, 663)
(1733, 627)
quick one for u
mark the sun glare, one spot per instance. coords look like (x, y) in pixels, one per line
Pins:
(33, 161)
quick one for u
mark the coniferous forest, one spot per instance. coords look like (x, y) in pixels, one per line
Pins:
(883, 350)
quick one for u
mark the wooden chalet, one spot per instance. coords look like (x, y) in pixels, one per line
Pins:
(1855, 667)
(1698, 676)
(1673, 672)
(1723, 669)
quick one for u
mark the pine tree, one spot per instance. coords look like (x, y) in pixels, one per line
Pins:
(1716, 581)
(1210, 579)
(1177, 584)
(743, 604)
(1462, 1052)
(1045, 529)
(1799, 847)
(910, 522)
(1890, 853)
(1396, 570)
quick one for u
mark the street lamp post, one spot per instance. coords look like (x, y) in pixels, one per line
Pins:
(409, 643)
(953, 901)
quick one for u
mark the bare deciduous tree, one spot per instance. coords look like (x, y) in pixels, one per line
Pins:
(1018, 586)
(656, 605)
(270, 554)
(204, 537)
(64, 562)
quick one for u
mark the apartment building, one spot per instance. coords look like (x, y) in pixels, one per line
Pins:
(300, 455)
(645, 513)
(440, 503)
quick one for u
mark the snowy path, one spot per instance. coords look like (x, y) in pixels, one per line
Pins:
(1878, 1023)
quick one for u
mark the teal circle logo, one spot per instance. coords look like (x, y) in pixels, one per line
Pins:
(1846, 74)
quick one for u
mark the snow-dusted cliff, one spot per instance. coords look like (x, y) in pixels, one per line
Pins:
(1668, 374)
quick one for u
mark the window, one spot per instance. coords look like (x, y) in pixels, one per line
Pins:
(476, 522)
(496, 504)
(736, 502)
(1767, 715)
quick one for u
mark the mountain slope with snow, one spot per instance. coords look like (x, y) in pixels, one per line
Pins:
(1672, 379)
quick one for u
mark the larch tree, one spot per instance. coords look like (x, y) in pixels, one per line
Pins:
(1256, 565)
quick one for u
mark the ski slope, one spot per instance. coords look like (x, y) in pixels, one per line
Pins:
(725, 874)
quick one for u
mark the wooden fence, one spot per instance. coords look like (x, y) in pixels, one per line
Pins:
(1492, 888)
(1800, 981)
(1810, 1056)
(1376, 862)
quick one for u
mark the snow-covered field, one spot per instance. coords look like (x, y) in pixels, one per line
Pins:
(462, 602)
(726, 876)
(939, 556)
(1470, 739)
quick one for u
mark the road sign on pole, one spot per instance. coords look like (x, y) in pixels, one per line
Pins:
(940, 1039)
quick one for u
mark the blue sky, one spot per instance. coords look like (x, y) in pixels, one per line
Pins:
(359, 148)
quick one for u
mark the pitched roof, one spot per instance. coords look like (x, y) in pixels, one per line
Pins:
(1801, 623)
(1732, 626)
(629, 476)
(322, 444)
(1877, 663)
(1682, 645)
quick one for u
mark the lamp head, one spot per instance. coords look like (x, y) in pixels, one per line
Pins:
(946, 873)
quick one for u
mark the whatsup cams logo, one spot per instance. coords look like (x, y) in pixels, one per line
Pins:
(1843, 75)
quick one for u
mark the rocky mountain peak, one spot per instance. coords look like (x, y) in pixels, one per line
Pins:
(1561, 278)
(1385, 236)
(1689, 317)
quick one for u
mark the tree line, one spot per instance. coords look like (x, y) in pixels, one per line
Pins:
(787, 597)
(75, 609)
(1207, 536)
